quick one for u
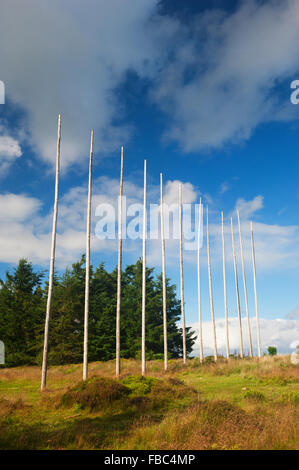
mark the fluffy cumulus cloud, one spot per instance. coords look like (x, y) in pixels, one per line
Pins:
(282, 333)
(63, 56)
(26, 232)
(276, 246)
(221, 81)
(9, 150)
(26, 228)
(216, 76)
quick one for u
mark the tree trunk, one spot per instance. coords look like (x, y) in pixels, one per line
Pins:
(245, 286)
(237, 289)
(163, 278)
(143, 365)
(87, 265)
(198, 283)
(255, 295)
(52, 261)
(224, 289)
(119, 266)
(211, 288)
(182, 277)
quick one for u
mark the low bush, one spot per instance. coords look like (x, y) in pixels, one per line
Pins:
(95, 393)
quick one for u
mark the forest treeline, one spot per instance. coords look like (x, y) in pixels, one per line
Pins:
(23, 297)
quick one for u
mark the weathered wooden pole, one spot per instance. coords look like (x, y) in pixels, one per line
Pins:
(143, 365)
(52, 261)
(119, 265)
(87, 264)
(255, 294)
(225, 289)
(237, 289)
(198, 282)
(245, 286)
(182, 276)
(211, 288)
(163, 277)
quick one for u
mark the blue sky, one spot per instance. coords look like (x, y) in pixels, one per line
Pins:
(201, 91)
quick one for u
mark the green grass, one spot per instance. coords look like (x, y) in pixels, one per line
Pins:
(236, 405)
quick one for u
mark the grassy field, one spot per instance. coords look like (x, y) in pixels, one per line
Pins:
(240, 404)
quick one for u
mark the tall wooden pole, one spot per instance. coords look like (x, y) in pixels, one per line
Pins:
(237, 289)
(245, 286)
(255, 294)
(52, 260)
(224, 289)
(211, 288)
(119, 266)
(87, 264)
(182, 276)
(163, 277)
(198, 283)
(143, 366)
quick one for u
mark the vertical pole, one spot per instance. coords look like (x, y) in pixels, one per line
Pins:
(198, 283)
(119, 265)
(52, 260)
(211, 288)
(245, 286)
(182, 276)
(237, 289)
(143, 366)
(255, 294)
(163, 278)
(224, 289)
(87, 265)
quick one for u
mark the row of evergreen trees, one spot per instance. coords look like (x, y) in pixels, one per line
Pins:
(23, 297)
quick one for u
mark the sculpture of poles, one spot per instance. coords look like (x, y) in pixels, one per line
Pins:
(163, 276)
(143, 277)
(118, 302)
(87, 265)
(245, 286)
(237, 289)
(198, 283)
(224, 289)
(255, 294)
(182, 276)
(52, 260)
(211, 288)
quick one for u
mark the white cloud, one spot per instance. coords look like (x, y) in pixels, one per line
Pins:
(282, 333)
(294, 314)
(68, 57)
(26, 231)
(248, 208)
(224, 187)
(221, 81)
(9, 150)
(16, 207)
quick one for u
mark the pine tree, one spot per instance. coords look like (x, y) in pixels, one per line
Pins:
(22, 304)
(66, 329)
